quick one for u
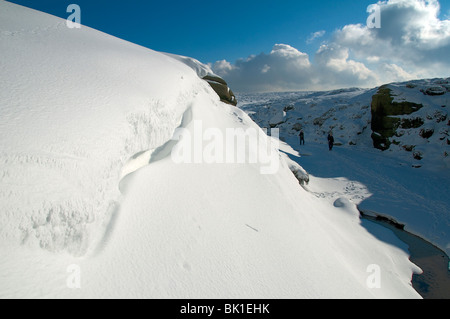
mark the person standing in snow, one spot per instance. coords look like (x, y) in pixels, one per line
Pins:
(302, 137)
(330, 141)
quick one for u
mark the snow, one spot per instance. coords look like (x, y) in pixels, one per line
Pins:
(93, 205)
(201, 69)
(76, 104)
(388, 183)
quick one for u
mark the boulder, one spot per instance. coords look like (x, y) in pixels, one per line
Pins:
(435, 90)
(409, 148)
(408, 123)
(426, 133)
(221, 88)
(299, 172)
(205, 72)
(418, 155)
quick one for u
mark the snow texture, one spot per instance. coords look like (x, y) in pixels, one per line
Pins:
(93, 206)
(394, 182)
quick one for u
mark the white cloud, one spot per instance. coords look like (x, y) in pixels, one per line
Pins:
(335, 68)
(285, 51)
(411, 35)
(284, 68)
(222, 67)
(411, 43)
(315, 35)
(395, 73)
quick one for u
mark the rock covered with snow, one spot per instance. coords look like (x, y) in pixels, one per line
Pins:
(405, 120)
(298, 171)
(219, 85)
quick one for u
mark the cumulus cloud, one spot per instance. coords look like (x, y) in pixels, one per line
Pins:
(223, 67)
(284, 68)
(411, 43)
(333, 64)
(411, 36)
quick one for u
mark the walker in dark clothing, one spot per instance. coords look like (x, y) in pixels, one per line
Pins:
(302, 138)
(330, 141)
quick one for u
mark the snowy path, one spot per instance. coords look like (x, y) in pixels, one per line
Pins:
(386, 185)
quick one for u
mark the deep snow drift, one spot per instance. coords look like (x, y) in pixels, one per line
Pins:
(81, 111)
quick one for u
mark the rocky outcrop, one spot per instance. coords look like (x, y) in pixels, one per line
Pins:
(299, 172)
(278, 119)
(435, 90)
(205, 72)
(386, 117)
(400, 123)
(221, 88)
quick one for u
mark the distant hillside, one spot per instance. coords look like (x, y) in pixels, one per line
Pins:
(409, 120)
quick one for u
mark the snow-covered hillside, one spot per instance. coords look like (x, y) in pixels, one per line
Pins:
(348, 113)
(93, 203)
(408, 180)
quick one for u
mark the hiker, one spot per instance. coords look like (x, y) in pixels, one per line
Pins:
(330, 141)
(302, 137)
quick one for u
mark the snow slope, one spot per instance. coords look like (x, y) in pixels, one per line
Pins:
(93, 204)
(76, 104)
(389, 182)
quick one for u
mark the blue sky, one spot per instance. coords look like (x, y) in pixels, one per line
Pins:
(213, 30)
(233, 31)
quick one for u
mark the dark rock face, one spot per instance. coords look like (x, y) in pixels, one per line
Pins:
(411, 123)
(384, 117)
(417, 155)
(426, 133)
(221, 88)
(436, 90)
